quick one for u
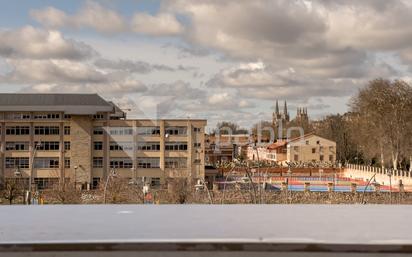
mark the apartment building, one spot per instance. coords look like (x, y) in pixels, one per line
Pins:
(309, 148)
(82, 138)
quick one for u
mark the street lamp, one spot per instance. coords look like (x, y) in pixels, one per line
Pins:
(29, 192)
(75, 176)
(111, 174)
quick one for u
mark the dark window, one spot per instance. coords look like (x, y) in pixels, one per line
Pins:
(67, 145)
(148, 163)
(98, 131)
(98, 145)
(17, 162)
(17, 146)
(67, 162)
(176, 146)
(120, 163)
(177, 131)
(47, 146)
(148, 146)
(97, 162)
(18, 130)
(46, 130)
(95, 183)
(46, 163)
(67, 130)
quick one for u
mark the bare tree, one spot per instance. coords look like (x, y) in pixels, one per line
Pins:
(384, 120)
(13, 188)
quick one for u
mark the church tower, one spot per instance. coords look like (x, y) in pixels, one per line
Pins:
(280, 120)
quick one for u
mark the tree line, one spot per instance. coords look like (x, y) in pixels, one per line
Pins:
(377, 130)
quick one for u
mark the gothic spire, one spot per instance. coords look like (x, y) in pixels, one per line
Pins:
(285, 109)
(277, 107)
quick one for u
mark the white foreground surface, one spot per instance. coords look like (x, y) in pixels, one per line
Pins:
(285, 228)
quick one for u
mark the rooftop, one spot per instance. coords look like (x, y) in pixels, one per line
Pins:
(67, 103)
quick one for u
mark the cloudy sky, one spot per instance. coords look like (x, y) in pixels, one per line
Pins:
(213, 59)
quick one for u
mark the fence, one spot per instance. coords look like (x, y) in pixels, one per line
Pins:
(383, 176)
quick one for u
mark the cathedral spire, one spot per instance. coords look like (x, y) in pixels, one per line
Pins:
(285, 109)
(277, 107)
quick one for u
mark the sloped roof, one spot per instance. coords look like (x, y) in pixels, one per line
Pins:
(68, 103)
(307, 136)
(51, 99)
(277, 145)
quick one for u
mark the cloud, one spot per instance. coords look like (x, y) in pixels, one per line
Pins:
(137, 66)
(91, 15)
(63, 76)
(322, 39)
(34, 43)
(52, 71)
(178, 90)
(118, 88)
(95, 16)
(162, 24)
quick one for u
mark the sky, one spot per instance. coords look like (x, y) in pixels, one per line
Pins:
(209, 59)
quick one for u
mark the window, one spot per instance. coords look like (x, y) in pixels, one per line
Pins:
(46, 130)
(175, 162)
(198, 161)
(17, 116)
(331, 148)
(296, 158)
(121, 131)
(45, 183)
(121, 146)
(46, 163)
(121, 163)
(307, 142)
(42, 116)
(177, 131)
(67, 116)
(67, 130)
(321, 157)
(47, 146)
(99, 116)
(296, 148)
(97, 162)
(18, 130)
(95, 183)
(148, 163)
(17, 162)
(148, 131)
(98, 145)
(155, 182)
(176, 146)
(197, 145)
(67, 145)
(331, 158)
(97, 131)
(67, 163)
(196, 129)
(313, 150)
(148, 146)
(17, 146)
(320, 148)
